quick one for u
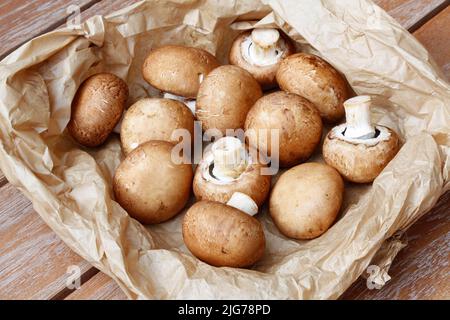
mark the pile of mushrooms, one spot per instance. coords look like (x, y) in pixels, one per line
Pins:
(230, 183)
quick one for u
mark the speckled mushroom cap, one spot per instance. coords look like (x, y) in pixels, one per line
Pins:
(298, 122)
(154, 119)
(178, 70)
(223, 236)
(225, 97)
(96, 108)
(150, 186)
(360, 161)
(251, 182)
(306, 200)
(316, 80)
(265, 75)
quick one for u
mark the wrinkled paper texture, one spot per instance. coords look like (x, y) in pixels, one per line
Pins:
(70, 186)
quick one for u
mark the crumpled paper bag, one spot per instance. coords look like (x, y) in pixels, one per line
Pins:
(70, 186)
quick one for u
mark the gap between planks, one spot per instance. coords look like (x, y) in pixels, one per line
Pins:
(413, 22)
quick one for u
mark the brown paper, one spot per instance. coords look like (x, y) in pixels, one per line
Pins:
(70, 186)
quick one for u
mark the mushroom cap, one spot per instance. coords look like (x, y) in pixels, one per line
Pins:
(225, 97)
(96, 108)
(223, 236)
(359, 162)
(315, 79)
(306, 200)
(149, 186)
(250, 182)
(154, 119)
(265, 75)
(177, 69)
(297, 119)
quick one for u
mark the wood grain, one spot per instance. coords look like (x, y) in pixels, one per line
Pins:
(99, 287)
(33, 260)
(22, 20)
(421, 270)
(435, 36)
(411, 14)
(105, 7)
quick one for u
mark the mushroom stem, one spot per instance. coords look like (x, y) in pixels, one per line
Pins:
(357, 113)
(229, 158)
(264, 49)
(243, 202)
(265, 38)
(190, 103)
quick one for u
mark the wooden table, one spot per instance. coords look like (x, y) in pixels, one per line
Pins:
(34, 261)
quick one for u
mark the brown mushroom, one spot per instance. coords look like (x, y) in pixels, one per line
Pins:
(298, 122)
(358, 149)
(306, 200)
(223, 236)
(154, 119)
(316, 80)
(178, 71)
(97, 108)
(225, 97)
(149, 186)
(260, 51)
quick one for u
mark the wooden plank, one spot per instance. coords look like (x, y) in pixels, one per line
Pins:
(3, 179)
(435, 36)
(22, 20)
(99, 287)
(421, 270)
(106, 7)
(412, 13)
(33, 260)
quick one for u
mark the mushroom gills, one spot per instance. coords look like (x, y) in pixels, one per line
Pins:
(190, 103)
(263, 47)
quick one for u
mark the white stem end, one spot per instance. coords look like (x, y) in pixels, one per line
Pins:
(263, 47)
(265, 38)
(190, 103)
(244, 203)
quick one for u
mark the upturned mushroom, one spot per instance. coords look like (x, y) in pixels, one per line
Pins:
(316, 80)
(298, 123)
(154, 119)
(306, 200)
(223, 236)
(149, 186)
(260, 51)
(178, 71)
(358, 149)
(225, 97)
(229, 174)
